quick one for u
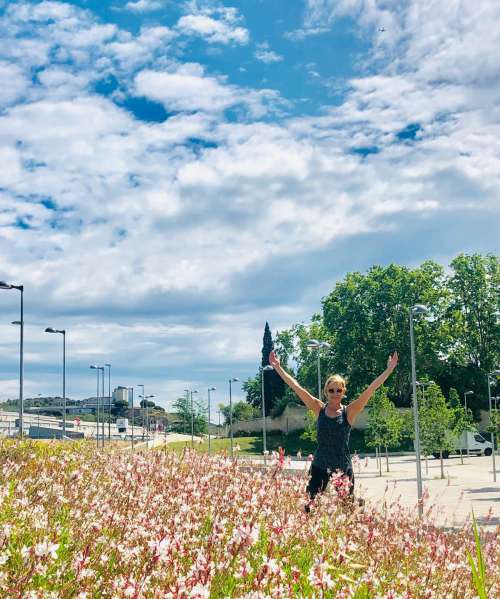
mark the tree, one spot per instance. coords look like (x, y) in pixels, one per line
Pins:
(241, 411)
(195, 413)
(119, 408)
(436, 420)
(385, 424)
(274, 386)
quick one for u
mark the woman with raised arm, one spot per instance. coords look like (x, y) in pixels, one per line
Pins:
(334, 424)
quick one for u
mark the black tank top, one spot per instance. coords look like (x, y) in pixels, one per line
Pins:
(332, 452)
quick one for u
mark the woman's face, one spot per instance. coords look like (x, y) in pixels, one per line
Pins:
(335, 391)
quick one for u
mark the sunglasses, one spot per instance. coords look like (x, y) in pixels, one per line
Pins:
(335, 390)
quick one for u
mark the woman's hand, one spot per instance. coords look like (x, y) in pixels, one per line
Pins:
(274, 361)
(392, 362)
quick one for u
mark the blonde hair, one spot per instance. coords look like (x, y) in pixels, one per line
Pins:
(334, 378)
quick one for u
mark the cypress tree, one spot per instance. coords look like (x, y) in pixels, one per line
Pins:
(274, 387)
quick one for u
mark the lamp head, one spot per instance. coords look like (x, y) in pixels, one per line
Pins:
(312, 343)
(94, 367)
(4, 285)
(469, 393)
(212, 388)
(234, 380)
(419, 309)
(495, 372)
(18, 322)
(108, 365)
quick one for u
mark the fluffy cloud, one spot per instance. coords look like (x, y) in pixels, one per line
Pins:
(223, 31)
(264, 54)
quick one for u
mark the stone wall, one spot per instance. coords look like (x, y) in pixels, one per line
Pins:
(294, 419)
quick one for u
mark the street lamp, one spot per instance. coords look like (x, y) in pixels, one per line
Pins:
(415, 311)
(233, 380)
(264, 446)
(209, 436)
(192, 416)
(424, 384)
(94, 367)
(109, 401)
(63, 333)
(132, 408)
(319, 345)
(142, 410)
(8, 286)
(467, 432)
(490, 380)
(147, 412)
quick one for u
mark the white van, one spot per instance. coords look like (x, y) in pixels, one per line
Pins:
(472, 441)
(122, 424)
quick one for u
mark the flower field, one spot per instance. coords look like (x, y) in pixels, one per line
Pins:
(82, 524)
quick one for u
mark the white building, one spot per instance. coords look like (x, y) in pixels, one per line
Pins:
(121, 394)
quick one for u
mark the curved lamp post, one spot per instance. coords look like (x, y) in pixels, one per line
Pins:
(415, 311)
(264, 445)
(467, 432)
(8, 286)
(318, 345)
(94, 367)
(209, 436)
(233, 380)
(490, 380)
(108, 366)
(191, 393)
(63, 333)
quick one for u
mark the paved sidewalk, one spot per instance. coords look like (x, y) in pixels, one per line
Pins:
(465, 487)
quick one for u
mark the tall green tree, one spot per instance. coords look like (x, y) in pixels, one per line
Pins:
(366, 318)
(473, 319)
(274, 387)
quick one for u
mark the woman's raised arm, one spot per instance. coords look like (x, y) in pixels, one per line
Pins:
(313, 403)
(357, 406)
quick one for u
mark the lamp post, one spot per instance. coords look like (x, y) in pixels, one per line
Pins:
(142, 410)
(109, 401)
(264, 445)
(132, 408)
(414, 311)
(8, 286)
(233, 380)
(489, 380)
(94, 367)
(191, 393)
(63, 333)
(318, 345)
(209, 436)
(467, 432)
(146, 398)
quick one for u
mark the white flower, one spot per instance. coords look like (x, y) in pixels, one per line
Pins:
(199, 592)
(4, 558)
(46, 548)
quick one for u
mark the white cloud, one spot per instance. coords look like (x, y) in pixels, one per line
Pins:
(264, 54)
(215, 25)
(145, 5)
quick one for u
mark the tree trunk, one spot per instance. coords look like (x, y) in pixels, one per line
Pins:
(386, 459)
(426, 466)
(442, 468)
(461, 457)
(379, 462)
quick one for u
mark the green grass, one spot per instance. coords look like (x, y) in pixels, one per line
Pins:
(291, 443)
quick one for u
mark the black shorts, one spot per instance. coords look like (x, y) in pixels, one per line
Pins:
(320, 478)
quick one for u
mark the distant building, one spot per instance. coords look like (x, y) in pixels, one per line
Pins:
(122, 394)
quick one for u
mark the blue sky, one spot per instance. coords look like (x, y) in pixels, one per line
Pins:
(175, 173)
